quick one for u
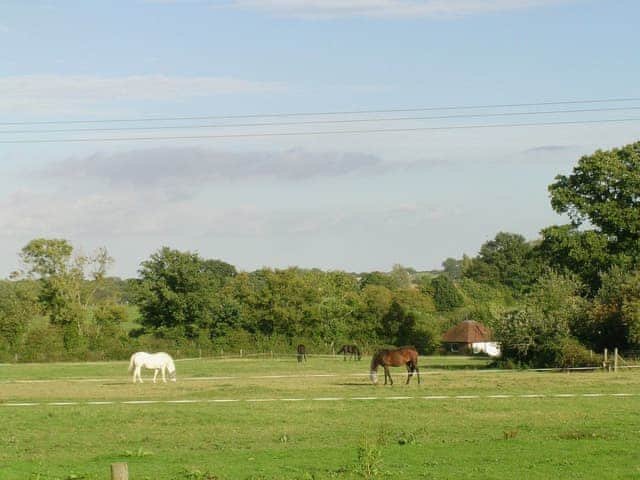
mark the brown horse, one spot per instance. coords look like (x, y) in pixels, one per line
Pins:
(395, 358)
(352, 350)
(302, 353)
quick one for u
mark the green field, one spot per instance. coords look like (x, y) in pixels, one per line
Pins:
(277, 419)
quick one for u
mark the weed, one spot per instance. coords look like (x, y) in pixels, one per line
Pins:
(369, 464)
(580, 435)
(407, 438)
(195, 474)
(384, 432)
(509, 434)
(138, 453)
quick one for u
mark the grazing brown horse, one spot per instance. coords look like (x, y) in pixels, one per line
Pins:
(302, 353)
(352, 350)
(394, 358)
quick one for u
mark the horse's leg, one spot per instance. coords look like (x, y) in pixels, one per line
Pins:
(409, 372)
(137, 374)
(164, 380)
(387, 373)
(155, 375)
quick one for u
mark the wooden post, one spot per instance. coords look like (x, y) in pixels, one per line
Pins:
(240, 352)
(606, 359)
(615, 359)
(119, 471)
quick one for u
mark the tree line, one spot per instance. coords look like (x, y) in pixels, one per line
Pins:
(548, 301)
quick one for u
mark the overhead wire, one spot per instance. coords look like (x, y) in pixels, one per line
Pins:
(320, 122)
(325, 132)
(322, 113)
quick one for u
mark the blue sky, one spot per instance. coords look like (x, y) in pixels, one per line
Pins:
(354, 202)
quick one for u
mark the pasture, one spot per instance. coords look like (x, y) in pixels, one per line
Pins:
(256, 418)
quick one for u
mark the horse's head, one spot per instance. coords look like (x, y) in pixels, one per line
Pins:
(172, 371)
(375, 363)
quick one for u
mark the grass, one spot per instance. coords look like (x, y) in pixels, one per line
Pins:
(551, 437)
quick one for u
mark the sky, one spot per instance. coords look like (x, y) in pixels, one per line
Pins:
(124, 79)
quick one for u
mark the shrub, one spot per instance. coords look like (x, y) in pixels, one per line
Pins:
(572, 353)
(42, 344)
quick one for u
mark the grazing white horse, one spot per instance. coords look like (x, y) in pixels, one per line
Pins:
(159, 362)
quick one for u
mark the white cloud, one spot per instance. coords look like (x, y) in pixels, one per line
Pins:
(38, 93)
(389, 8)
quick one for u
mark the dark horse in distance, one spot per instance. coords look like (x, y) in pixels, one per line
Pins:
(302, 353)
(352, 350)
(395, 358)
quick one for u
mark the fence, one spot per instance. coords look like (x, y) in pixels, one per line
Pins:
(119, 471)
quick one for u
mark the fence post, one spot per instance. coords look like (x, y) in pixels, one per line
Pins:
(606, 360)
(615, 359)
(119, 471)
(241, 352)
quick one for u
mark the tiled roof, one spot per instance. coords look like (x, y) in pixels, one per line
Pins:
(467, 332)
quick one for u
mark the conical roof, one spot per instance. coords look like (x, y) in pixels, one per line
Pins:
(468, 331)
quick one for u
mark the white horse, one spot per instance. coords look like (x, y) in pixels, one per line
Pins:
(153, 361)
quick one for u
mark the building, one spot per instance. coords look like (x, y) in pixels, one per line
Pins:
(470, 337)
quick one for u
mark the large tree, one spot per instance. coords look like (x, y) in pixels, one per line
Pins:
(603, 194)
(178, 289)
(68, 282)
(507, 259)
(604, 190)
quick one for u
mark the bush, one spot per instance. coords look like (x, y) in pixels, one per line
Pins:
(571, 353)
(42, 344)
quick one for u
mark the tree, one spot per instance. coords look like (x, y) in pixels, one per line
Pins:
(453, 268)
(18, 306)
(614, 319)
(507, 260)
(68, 282)
(399, 277)
(604, 189)
(583, 253)
(178, 289)
(446, 294)
(539, 334)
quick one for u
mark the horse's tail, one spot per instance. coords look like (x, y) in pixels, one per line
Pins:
(131, 363)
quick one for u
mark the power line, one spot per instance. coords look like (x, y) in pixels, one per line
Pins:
(320, 122)
(310, 114)
(326, 132)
